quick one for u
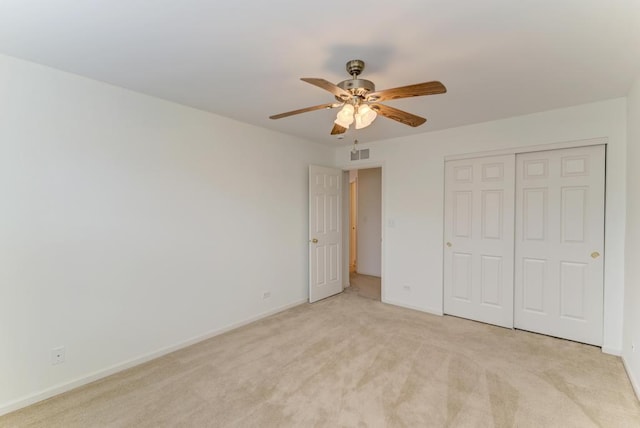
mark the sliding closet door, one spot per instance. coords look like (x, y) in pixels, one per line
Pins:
(559, 243)
(478, 255)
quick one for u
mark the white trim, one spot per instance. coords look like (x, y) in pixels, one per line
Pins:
(415, 308)
(612, 351)
(67, 386)
(530, 149)
(346, 222)
(634, 384)
(383, 231)
(366, 273)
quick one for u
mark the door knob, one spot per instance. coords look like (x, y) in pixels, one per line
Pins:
(595, 255)
(314, 240)
(449, 244)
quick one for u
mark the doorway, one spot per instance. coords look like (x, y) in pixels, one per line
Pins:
(365, 232)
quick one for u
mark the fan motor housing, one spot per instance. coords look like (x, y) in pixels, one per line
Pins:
(358, 87)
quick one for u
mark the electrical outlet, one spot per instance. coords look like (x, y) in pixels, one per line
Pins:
(406, 287)
(266, 294)
(57, 355)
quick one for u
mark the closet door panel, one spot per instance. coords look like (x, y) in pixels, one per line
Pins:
(479, 222)
(559, 280)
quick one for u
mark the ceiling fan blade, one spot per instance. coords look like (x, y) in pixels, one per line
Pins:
(417, 90)
(337, 129)
(328, 86)
(304, 110)
(398, 115)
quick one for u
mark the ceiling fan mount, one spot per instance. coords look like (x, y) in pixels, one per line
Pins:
(359, 100)
(355, 67)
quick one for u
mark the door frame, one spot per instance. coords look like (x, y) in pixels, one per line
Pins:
(356, 165)
(353, 223)
(531, 149)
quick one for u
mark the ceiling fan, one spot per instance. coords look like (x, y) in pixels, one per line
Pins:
(359, 100)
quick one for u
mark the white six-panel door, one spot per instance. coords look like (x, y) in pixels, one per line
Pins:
(560, 242)
(325, 232)
(478, 259)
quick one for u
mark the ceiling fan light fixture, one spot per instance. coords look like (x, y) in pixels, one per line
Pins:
(365, 116)
(359, 100)
(345, 116)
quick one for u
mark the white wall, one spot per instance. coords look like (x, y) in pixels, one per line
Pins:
(632, 249)
(130, 225)
(369, 226)
(413, 197)
(125, 229)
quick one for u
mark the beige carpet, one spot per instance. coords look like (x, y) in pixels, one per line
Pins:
(354, 362)
(365, 285)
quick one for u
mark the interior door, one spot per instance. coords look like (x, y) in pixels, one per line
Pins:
(478, 252)
(560, 242)
(325, 232)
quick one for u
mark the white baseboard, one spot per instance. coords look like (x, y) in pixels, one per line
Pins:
(634, 383)
(377, 275)
(415, 308)
(67, 386)
(612, 351)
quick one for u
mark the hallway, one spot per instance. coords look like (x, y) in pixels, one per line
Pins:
(364, 286)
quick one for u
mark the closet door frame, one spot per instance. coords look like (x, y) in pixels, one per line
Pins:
(521, 150)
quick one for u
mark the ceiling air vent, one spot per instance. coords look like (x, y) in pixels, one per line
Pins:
(359, 154)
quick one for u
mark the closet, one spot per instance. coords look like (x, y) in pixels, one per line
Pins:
(524, 239)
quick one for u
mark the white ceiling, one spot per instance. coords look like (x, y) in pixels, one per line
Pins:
(243, 58)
